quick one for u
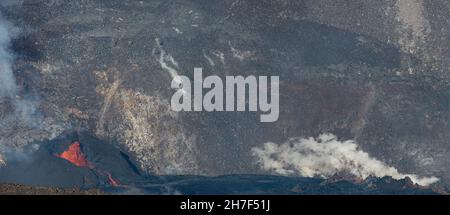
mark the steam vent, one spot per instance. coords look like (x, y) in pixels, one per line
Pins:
(362, 102)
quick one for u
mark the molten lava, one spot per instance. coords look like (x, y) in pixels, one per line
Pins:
(112, 181)
(75, 155)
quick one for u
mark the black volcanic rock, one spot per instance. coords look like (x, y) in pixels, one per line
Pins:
(43, 167)
(365, 71)
(17, 189)
(269, 185)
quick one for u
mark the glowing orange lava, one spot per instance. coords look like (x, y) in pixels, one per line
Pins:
(74, 155)
(112, 181)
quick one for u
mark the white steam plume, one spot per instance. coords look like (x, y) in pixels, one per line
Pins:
(324, 157)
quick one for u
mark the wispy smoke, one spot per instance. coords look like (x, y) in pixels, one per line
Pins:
(8, 86)
(24, 106)
(324, 157)
(18, 113)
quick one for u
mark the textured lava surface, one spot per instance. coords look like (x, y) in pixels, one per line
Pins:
(376, 72)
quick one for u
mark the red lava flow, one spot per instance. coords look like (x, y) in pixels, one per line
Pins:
(74, 155)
